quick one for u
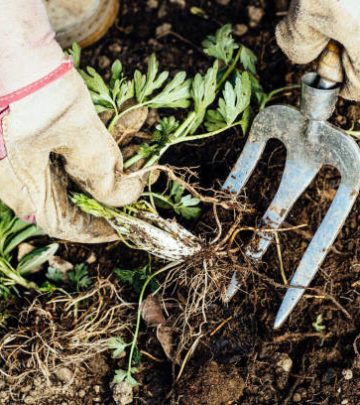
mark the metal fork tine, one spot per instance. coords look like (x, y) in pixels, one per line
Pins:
(245, 165)
(295, 179)
(317, 250)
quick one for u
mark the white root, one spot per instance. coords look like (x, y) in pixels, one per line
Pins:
(165, 239)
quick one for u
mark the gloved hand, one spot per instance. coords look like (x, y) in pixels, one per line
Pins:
(58, 118)
(309, 26)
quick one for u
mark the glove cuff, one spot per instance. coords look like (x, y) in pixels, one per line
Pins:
(17, 95)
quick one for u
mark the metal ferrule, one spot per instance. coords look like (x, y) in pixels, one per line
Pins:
(317, 104)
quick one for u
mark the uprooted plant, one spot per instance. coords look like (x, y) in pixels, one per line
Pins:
(190, 109)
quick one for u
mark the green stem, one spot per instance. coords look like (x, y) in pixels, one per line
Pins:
(229, 70)
(11, 274)
(207, 134)
(273, 93)
(159, 197)
(134, 159)
(138, 317)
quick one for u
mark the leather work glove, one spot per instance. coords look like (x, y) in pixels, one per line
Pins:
(45, 109)
(308, 27)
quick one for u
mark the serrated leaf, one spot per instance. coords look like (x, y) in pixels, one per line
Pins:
(54, 274)
(75, 53)
(118, 345)
(203, 92)
(221, 45)
(235, 100)
(175, 94)
(145, 85)
(33, 260)
(248, 59)
(122, 375)
(79, 277)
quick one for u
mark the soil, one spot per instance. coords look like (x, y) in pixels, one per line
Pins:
(240, 359)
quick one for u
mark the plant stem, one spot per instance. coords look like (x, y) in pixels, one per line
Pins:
(138, 317)
(273, 93)
(207, 134)
(11, 273)
(229, 70)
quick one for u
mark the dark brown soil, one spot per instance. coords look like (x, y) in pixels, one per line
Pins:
(245, 361)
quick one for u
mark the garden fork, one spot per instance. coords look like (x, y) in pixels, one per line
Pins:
(310, 142)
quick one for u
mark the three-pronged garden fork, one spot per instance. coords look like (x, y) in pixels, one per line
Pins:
(310, 142)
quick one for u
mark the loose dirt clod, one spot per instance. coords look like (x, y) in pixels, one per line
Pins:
(212, 385)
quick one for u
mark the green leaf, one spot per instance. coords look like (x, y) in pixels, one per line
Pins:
(166, 127)
(118, 345)
(99, 90)
(221, 45)
(54, 274)
(235, 100)
(116, 72)
(75, 53)
(248, 59)
(145, 85)
(123, 375)
(30, 231)
(175, 94)
(79, 277)
(203, 92)
(125, 276)
(33, 260)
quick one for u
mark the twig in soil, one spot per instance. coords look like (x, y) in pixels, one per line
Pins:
(151, 356)
(279, 254)
(221, 325)
(300, 336)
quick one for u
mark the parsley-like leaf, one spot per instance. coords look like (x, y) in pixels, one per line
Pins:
(54, 274)
(234, 101)
(175, 94)
(248, 59)
(79, 277)
(146, 84)
(221, 45)
(203, 92)
(118, 345)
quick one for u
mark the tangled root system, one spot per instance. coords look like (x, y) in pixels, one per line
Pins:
(64, 332)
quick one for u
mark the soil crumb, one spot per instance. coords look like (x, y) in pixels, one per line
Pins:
(213, 384)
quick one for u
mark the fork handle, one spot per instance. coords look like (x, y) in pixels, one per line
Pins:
(330, 68)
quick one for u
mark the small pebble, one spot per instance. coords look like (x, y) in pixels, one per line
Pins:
(344, 401)
(255, 15)
(223, 2)
(163, 29)
(91, 259)
(104, 62)
(81, 393)
(285, 363)
(152, 3)
(29, 400)
(181, 3)
(348, 374)
(64, 374)
(97, 388)
(97, 399)
(240, 29)
(115, 48)
(297, 397)
(341, 119)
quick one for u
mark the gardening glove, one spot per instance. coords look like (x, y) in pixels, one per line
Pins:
(309, 26)
(46, 109)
